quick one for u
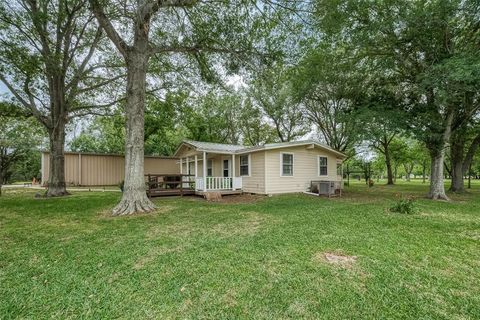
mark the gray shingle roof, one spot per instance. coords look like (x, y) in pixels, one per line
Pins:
(233, 148)
(222, 147)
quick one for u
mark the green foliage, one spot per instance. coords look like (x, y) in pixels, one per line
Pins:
(212, 118)
(328, 85)
(103, 135)
(272, 92)
(20, 139)
(405, 205)
(254, 129)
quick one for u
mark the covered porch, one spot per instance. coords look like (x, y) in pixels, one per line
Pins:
(212, 171)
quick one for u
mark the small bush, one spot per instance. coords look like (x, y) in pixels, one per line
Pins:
(406, 205)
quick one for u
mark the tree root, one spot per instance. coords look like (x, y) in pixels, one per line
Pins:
(438, 196)
(131, 205)
(56, 193)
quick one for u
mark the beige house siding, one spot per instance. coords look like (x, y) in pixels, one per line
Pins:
(255, 183)
(102, 170)
(305, 169)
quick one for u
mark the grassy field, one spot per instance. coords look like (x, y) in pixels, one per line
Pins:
(67, 258)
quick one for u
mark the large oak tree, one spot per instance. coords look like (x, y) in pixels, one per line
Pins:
(163, 29)
(48, 62)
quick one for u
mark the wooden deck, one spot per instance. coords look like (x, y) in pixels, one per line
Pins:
(160, 185)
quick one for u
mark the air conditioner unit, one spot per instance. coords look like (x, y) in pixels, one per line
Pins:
(327, 188)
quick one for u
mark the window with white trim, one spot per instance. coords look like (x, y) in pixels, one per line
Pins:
(244, 165)
(322, 166)
(209, 168)
(287, 164)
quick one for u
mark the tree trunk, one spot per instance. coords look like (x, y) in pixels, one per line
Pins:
(407, 172)
(424, 169)
(467, 162)
(56, 177)
(457, 182)
(470, 176)
(134, 197)
(437, 188)
(1, 173)
(388, 162)
(437, 154)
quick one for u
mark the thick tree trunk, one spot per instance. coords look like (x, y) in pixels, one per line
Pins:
(388, 162)
(457, 182)
(457, 147)
(437, 154)
(56, 177)
(134, 199)
(437, 188)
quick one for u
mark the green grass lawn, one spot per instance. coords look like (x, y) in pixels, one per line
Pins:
(67, 258)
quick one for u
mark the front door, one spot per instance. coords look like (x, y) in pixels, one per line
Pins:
(226, 168)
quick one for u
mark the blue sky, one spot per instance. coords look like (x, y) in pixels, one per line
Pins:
(3, 89)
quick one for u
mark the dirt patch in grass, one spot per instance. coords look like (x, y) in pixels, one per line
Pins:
(153, 254)
(176, 230)
(251, 223)
(335, 258)
(241, 198)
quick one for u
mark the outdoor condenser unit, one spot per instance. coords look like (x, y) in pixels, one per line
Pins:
(327, 188)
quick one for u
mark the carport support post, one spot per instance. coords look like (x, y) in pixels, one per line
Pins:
(204, 171)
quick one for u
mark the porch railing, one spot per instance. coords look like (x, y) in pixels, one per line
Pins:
(218, 183)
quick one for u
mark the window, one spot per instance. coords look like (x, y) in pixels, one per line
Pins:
(244, 165)
(226, 168)
(287, 164)
(209, 168)
(322, 166)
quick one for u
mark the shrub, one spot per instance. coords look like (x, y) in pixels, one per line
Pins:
(406, 205)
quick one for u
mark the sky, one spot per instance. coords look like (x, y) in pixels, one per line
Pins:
(3, 89)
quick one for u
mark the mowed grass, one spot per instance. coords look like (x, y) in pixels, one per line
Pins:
(67, 258)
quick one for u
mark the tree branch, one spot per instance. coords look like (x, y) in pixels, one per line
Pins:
(106, 25)
(31, 107)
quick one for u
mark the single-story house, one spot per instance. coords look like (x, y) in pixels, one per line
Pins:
(269, 169)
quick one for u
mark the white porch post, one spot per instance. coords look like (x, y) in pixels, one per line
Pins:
(204, 171)
(233, 171)
(181, 165)
(188, 170)
(196, 166)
